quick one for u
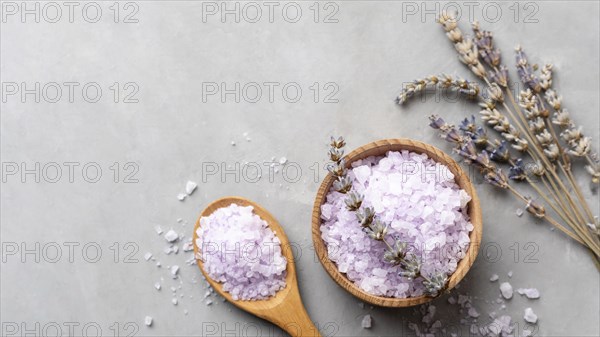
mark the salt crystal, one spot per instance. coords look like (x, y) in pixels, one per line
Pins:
(530, 316)
(181, 196)
(531, 293)
(519, 212)
(174, 301)
(208, 302)
(473, 313)
(185, 312)
(462, 300)
(494, 278)
(174, 271)
(171, 236)
(506, 290)
(362, 173)
(180, 220)
(474, 329)
(157, 286)
(510, 274)
(366, 322)
(147, 256)
(282, 160)
(158, 263)
(148, 321)
(168, 250)
(158, 230)
(175, 249)
(233, 143)
(188, 246)
(428, 318)
(190, 187)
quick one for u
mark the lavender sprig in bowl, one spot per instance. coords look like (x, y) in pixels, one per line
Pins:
(392, 251)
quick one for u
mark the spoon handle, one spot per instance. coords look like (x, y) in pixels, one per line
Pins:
(291, 316)
(296, 322)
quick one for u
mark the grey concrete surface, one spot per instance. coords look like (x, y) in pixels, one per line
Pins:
(168, 126)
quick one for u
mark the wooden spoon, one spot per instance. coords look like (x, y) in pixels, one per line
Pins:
(285, 309)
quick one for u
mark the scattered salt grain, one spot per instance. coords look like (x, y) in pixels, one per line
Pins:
(174, 301)
(506, 290)
(530, 316)
(531, 293)
(463, 300)
(208, 302)
(190, 187)
(147, 256)
(175, 249)
(223, 233)
(499, 327)
(157, 286)
(422, 208)
(428, 318)
(473, 313)
(188, 246)
(366, 322)
(181, 196)
(233, 143)
(282, 160)
(171, 236)
(148, 321)
(519, 212)
(510, 274)
(174, 271)
(158, 230)
(494, 278)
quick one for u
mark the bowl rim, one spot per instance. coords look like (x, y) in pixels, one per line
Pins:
(462, 179)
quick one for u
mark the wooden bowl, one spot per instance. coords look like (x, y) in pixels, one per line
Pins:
(380, 148)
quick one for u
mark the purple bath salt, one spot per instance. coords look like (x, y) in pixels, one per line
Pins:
(240, 251)
(424, 207)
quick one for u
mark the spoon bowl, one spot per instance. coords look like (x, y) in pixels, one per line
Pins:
(285, 308)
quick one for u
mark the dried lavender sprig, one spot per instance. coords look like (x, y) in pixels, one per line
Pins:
(485, 44)
(536, 115)
(573, 135)
(467, 51)
(443, 81)
(493, 175)
(498, 73)
(501, 124)
(337, 168)
(525, 71)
